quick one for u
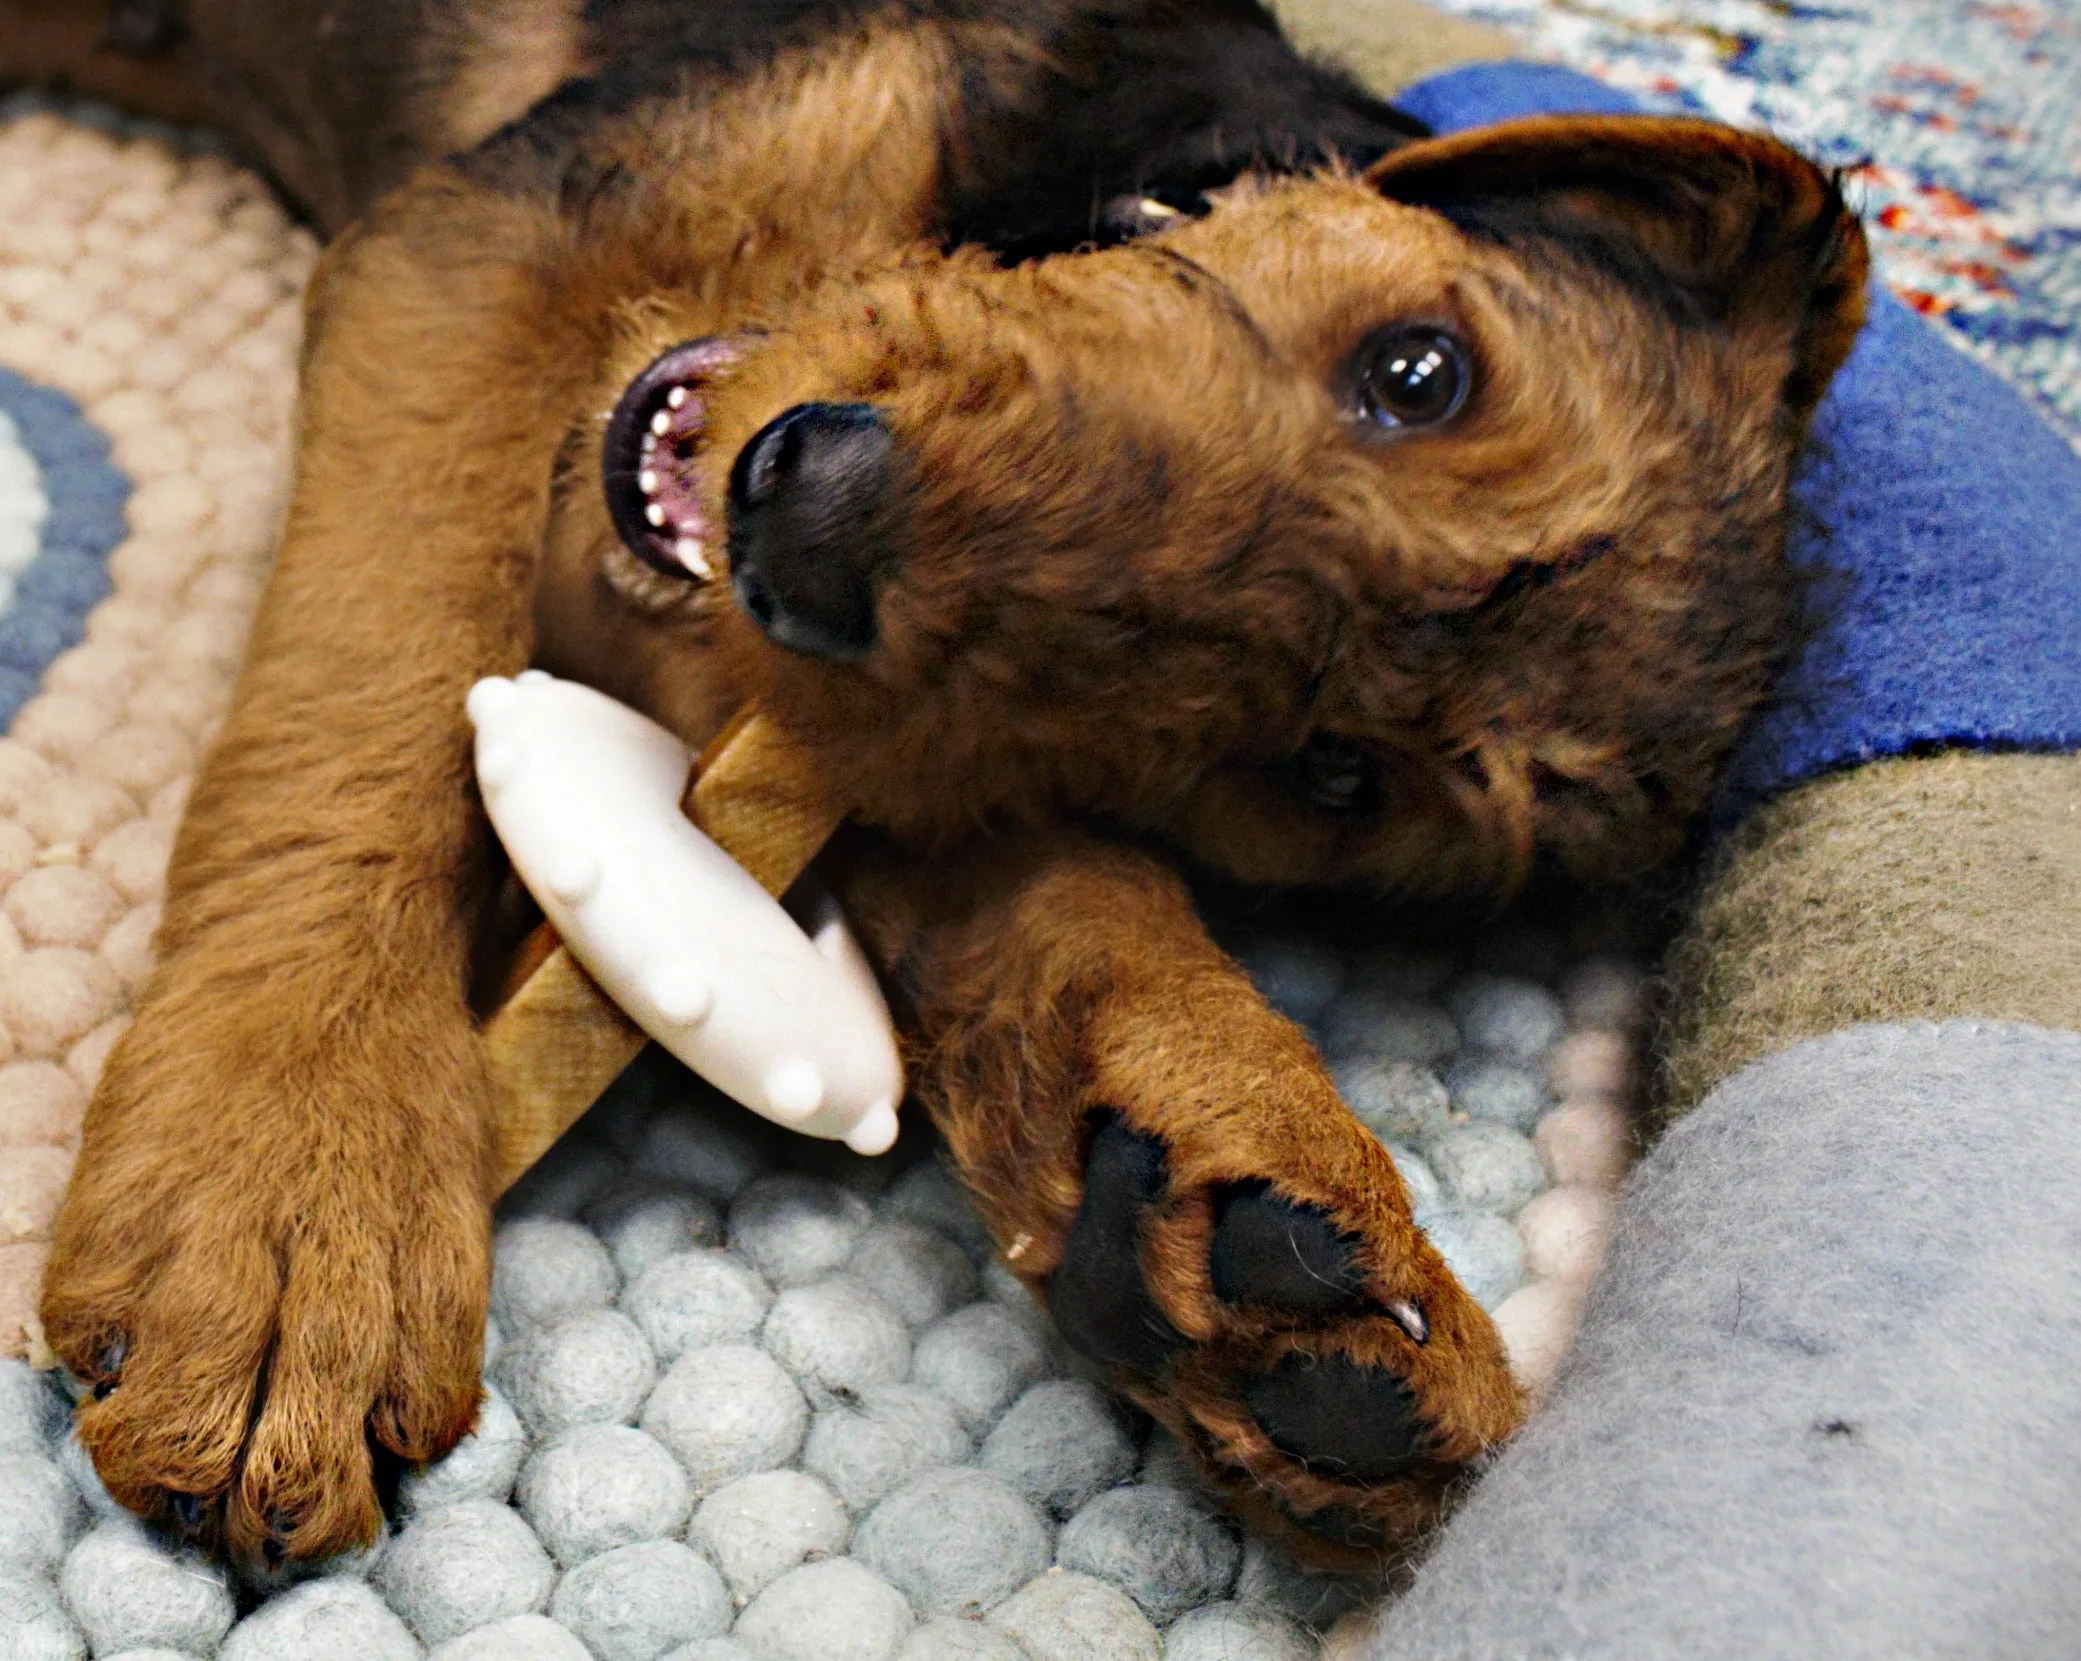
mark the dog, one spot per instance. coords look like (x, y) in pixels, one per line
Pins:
(1115, 445)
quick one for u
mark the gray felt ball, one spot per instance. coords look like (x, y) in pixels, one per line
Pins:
(1297, 976)
(39, 1514)
(564, 1181)
(918, 1271)
(31, 1410)
(955, 1543)
(695, 1299)
(1515, 1018)
(1369, 1021)
(1490, 1087)
(1003, 1287)
(837, 1610)
(33, 1622)
(715, 1150)
(726, 1412)
(463, 1566)
(1486, 1166)
(127, 1591)
(1236, 1632)
(517, 1638)
(794, 1229)
(543, 1268)
(1396, 1100)
(596, 1487)
(837, 1337)
(710, 1649)
(78, 1465)
(1163, 1547)
(950, 1639)
(481, 1466)
(1422, 1182)
(644, 1223)
(322, 1620)
(981, 1359)
(1072, 1617)
(635, 1602)
(1060, 1444)
(591, 1368)
(1483, 1252)
(1271, 1577)
(165, 1654)
(759, 1527)
(1166, 1464)
(891, 1434)
(930, 1194)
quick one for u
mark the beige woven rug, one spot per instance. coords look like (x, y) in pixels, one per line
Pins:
(159, 288)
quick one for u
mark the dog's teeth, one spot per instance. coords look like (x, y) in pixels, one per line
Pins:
(676, 397)
(693, 554)
(656, 516)
(660, 423)
(647, 482)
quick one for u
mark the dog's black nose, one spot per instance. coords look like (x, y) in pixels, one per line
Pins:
(808, 529)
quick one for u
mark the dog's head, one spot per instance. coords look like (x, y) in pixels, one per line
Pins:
(1390, 529)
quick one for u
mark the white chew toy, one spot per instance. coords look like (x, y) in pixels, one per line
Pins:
(585, 793)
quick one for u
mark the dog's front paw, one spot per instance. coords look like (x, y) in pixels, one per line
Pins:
(1263, 1292)
(271, 1269)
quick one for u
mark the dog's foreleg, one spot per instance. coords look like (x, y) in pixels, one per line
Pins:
(1165, 1162)
(274, 1255)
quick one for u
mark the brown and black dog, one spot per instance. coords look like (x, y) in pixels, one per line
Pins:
(1109, 441)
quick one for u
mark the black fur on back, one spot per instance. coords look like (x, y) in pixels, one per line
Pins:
(1149, 97)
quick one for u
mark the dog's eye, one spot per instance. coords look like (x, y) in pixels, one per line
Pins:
(1410, 375)
(1335, 773)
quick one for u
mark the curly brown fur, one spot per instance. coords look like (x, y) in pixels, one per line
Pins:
(1143, 568)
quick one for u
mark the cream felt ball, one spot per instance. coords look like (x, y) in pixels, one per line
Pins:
(1236, 1632)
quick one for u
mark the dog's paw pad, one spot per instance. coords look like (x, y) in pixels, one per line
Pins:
(1280, 1255)
(1101, 1305)
(1340, 1419)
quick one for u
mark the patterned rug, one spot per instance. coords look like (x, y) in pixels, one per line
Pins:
(1959, 122)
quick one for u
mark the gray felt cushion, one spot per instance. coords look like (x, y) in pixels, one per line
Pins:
(1826, 1400)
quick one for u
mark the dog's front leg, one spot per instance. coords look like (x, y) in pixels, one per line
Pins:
(272, 1263)
(1164, 1160)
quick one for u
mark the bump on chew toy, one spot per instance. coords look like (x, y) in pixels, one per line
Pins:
(664, 920)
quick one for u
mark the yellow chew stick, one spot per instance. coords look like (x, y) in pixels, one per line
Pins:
(557, 1040)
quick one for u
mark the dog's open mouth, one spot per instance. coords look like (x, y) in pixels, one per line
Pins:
(654, 492)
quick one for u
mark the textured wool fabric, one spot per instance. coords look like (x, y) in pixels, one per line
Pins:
(1826, 1399)
(1902, 890)
(1944, 531)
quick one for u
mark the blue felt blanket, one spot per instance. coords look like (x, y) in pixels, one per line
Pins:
(1945, 525)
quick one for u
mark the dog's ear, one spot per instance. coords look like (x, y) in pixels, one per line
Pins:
(1726, 227)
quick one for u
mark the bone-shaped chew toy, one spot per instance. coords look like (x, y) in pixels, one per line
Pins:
(664, 921)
